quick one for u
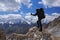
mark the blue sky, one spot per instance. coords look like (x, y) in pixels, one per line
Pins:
(34, 5)
(24, 8)
(15, 8)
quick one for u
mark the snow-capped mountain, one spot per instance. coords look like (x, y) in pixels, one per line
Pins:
(16, 18)
(28, 18)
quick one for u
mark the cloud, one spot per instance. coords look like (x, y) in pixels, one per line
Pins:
(9, 5)
(12, 5)
(10, 18)
(9, 15)
(39, 2)
(51, 3)
(56, 14)
(30, 5)
(26, 2)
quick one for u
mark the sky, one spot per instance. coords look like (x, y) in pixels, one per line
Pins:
(23, 8)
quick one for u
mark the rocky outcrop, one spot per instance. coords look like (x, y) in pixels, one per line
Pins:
(32, 34)
(2, 35)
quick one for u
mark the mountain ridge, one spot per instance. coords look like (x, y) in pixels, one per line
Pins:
(53, 27)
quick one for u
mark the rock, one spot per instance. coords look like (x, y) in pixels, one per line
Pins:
(2, 35)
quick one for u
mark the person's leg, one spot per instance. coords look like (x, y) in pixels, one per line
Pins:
(40, 26)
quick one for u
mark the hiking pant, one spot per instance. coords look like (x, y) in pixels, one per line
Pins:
(39, 25)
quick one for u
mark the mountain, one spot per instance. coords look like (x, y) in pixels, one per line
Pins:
(53, 27)
(18, 23)
(16, 27)
(15, 23)
(53, 23)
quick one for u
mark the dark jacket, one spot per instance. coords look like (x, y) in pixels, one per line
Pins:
(39, 13)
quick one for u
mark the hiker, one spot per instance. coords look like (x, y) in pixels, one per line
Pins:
(40, 14)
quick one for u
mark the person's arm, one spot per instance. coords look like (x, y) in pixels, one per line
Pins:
(33, 14)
